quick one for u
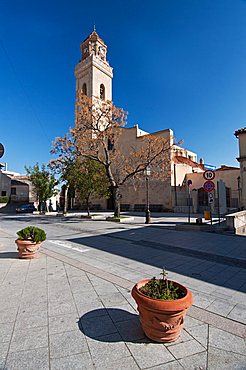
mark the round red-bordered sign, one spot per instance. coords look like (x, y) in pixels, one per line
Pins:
(208, 186)
(209, 175)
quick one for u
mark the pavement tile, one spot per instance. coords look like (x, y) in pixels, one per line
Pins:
(122, 312)
(98, 326)
(173, 365)
(226, 341)
(59, 324)
(67, 343)
(127, 363)
(28, 360)
(61, 308)
(190, 322)
(3, 352)
(195, 362)
(23, 340)
(8, 314)
(221, 307)
(60, 296)
(148, 354)
(94, 308)
(9, 302)
(31, 321)
(203, 300)
(218, 321)
(74, 362)
(200, 333)
(130, 330)
(6, 332)
(27, 309)
(85, 296)
(238, 313)
(107, 349)
(111, 299)
(185, 349)
(219, 359)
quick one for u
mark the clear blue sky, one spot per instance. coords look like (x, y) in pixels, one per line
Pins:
(178, 64)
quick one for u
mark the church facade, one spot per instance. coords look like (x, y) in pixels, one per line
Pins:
(94, 77)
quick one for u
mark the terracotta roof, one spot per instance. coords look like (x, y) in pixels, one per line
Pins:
(183, 160)
(240, 131)
(227, 168)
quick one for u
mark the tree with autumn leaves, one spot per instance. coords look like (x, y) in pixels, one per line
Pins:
(98, 136)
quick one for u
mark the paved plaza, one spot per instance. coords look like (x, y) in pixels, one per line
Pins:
(72, 308)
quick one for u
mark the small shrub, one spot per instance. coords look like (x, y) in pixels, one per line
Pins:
(162, 289)
(32, 233)
(4, 199)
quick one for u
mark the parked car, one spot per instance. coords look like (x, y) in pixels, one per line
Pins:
(26, 208)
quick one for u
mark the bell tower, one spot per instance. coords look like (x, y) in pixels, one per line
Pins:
(93, 73)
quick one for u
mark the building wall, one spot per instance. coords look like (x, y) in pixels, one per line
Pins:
(230, 178)
(242, 159)
(5, 184)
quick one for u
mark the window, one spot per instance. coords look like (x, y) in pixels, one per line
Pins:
(13, 191)
(110, 144)
(4, 193)
(84, 89)
(102, 92)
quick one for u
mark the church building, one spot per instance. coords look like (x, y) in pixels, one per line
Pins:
(94, 77)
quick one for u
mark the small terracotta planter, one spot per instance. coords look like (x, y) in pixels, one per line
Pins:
(27, 249)
(162, 320)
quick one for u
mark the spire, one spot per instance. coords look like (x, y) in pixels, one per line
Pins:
(94, 28)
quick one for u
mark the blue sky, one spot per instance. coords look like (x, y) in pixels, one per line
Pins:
(178, 64)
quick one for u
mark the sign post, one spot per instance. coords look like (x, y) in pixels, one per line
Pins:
(189, 183)
(209, 187)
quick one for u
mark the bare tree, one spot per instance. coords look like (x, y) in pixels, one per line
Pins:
(99, 136)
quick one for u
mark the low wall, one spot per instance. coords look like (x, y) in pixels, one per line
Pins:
(237, 222)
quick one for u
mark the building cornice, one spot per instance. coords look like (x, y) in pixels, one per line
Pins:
(240, 131)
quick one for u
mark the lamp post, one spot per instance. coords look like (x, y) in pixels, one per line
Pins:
(147, 212)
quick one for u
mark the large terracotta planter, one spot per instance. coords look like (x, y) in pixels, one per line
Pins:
(27, 249)
(162, 320)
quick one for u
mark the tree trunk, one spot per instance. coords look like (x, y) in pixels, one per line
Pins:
(65, 199)
(88, 207)
(116, 198)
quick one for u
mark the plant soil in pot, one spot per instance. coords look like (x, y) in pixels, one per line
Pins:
(162, 318)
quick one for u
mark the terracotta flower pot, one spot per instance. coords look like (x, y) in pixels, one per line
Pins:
(162, 320)
(27, 249)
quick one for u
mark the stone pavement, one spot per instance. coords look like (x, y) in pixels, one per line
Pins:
(72, 307)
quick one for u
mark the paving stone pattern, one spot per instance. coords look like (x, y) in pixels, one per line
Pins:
(73, 310)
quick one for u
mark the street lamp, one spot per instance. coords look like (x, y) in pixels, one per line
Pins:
(147, 173)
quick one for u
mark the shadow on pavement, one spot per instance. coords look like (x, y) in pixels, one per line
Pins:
(112, 325)
(8, 255)
(189, 254)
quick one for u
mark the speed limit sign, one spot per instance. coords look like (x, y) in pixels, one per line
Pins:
(209, 175)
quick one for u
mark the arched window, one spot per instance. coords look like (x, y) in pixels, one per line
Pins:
(84, 89)
(102, 92)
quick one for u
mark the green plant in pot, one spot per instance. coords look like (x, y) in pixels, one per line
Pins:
(29, 240)
(162, 306)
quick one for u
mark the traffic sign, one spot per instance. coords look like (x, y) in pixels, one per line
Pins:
(208, 186)
(210, 198)
(1, 150)
(209, 175)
